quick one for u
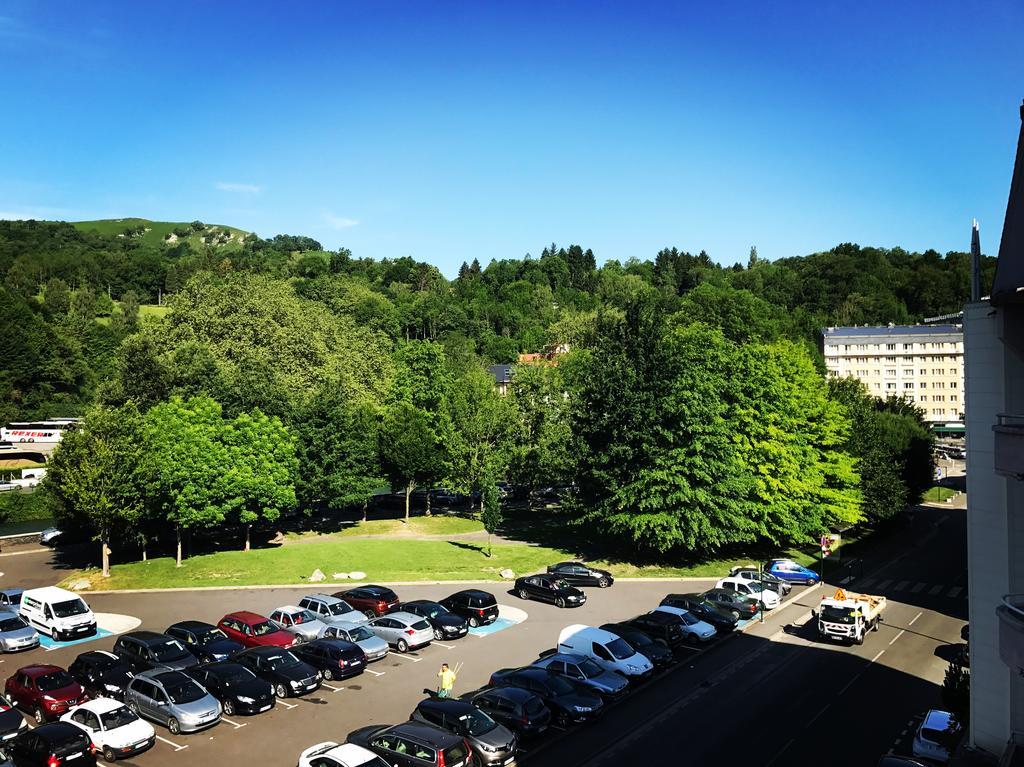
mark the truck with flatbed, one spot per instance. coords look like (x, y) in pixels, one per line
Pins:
(847, 616)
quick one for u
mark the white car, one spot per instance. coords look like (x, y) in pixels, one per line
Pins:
(693, 627)
(331, 754)
(115, 730)
(931, 736)
(752, 589)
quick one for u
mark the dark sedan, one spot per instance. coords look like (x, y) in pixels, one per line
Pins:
(236, 687)
(11, 721)
(479, 608)
(548, 588)
(655, 650)
(446, 624)
(101, 674)
(579, 574)
(288, 674)
(204, 640)
(520, 710)
(738, 605)
(723, 621)
(413, 744)
(569, 702)
(335, 658)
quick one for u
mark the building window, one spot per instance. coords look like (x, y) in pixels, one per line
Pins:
(908, 385)
(891, 360)
(890, 373)
(890, 387)
(922, 372)
(877, 386)
(953, 385)
(923, 385)
(952, 398)
(924, 398)
(939, 398)
(940, 385)
(907, 347)
(891, 347)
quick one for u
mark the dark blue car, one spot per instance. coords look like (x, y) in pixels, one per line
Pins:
(790, 571)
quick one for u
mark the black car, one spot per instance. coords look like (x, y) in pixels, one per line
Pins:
(204, 640)
(101, 674)
(493, 744)
(235, 686)
(738, 605)
(446, 624)
(147, 650)
(289, 675)
(412, 744)
(520, 710)
(663, 626)
(478, 607)
(335, 658)
(655, 650)
(548, 588)
(721, 620)
(569, 702)
(579, 574)
(49, 745)
(11, 721)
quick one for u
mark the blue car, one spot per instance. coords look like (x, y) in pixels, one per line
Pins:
(788, 570)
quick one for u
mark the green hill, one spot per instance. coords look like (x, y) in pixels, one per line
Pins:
(156, 232)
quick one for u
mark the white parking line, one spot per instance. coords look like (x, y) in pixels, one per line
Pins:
(884, 584)
(901, 585)
(954, 591)
(918, 587)
(935, 590)
(914, 619)
(405, 657)
(866, 583)
(893, 640)
(236, 725)
(331, 687)
(286, 705)
(175, 746)
(445, 646)
(783, 750)
(375, 673)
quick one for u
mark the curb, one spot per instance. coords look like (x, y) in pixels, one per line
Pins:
(342, 583)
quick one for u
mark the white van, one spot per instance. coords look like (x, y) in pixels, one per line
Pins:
(58, 613)
(611, 652)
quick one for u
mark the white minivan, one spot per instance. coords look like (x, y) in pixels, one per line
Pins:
(57, 613)
(610, 651)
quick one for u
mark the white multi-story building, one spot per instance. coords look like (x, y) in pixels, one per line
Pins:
(922, 363)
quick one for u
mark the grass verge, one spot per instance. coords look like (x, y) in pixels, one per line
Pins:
(938, 494)
(434, 525)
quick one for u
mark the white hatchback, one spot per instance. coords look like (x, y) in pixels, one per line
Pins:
(115, 730)
(933, 734)
(752, 589)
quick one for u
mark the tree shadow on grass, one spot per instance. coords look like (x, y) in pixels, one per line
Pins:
(480, 549)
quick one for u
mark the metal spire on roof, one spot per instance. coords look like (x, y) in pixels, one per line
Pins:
(1008, 286)
(975, 263)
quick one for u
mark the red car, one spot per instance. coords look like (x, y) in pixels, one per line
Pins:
(254, 630)
(45, 691)
(372, 600)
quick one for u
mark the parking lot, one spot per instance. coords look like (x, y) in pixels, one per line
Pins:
(775, 672)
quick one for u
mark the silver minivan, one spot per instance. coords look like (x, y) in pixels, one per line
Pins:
(332, 610)
(403, 631)
(174, 700)
(372, 645)
(303, 623)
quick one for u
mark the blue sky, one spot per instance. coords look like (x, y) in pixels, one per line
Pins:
(453, 130)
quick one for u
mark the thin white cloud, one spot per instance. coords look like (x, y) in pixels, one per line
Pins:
(340, 222)
(231, 186)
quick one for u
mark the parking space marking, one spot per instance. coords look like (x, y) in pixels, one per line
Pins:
(445, 646)
(406, 657)
(884, 584)
(953, 592)
(782, 750)
(331, 687)
(901, 585)
(914, 619)
(236, 725)
(175, 746)
(867, 583)
(918, 587)
(375, 673)
(935, 590)
(893, 640)
(286, 705)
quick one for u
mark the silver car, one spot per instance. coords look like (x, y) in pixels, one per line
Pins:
(298, 621)
(372, 645)
(332, 610)
(174, 700)
(15, 633)
(403, 631)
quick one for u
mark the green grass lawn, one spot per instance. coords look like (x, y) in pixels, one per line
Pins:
(434, 525)
(152, 310)
(156, 230)
(938, 494)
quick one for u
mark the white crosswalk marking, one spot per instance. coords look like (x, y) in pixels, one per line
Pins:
(918, 587)
(935, 590)
(884, 584)
(901, 585)
(866, 583)
(953, 592)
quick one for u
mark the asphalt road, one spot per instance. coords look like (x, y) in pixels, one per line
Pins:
(771, 696)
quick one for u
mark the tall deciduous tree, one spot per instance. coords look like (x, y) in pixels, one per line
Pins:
(490, 508)
(188, 456)
(408, 449)
(98, 479)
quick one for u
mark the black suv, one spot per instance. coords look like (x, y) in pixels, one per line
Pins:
(50, 745)
(289, 675)
(722, 621)
(146, 650)
(478, 607)
(661, 625)
(101, 674)
(491, 742)
(204, 640)
(336, 658)
(445, 623)
(520, 710)
(235, 686)
(569, 701)
(412, 744)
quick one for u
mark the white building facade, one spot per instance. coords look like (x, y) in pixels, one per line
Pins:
(921, 363)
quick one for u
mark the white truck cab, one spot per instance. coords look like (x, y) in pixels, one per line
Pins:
(608, 650)
(847, 616)
(58, 613)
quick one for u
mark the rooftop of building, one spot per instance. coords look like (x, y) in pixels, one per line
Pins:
(894, 330)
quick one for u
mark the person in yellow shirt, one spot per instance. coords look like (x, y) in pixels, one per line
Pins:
(447, 677)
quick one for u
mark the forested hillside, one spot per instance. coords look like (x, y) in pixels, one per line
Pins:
(684, 381)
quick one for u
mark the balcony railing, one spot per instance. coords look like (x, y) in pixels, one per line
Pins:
(1011, 632)
(1009, 445)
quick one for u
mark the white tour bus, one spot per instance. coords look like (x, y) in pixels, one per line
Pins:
(38, 431)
